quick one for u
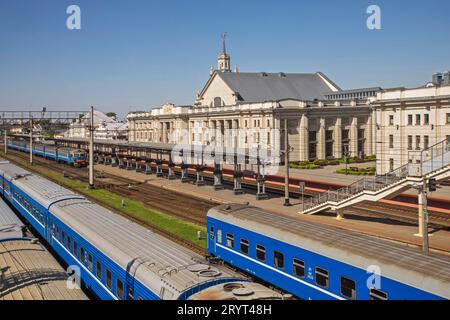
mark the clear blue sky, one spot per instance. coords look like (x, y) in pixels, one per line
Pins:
(131, 55)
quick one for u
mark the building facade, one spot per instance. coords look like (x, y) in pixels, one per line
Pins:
(248, 110)
(409, 121)
(104, 127)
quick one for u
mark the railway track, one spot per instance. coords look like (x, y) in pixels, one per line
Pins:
(173, 203)
(194, 210)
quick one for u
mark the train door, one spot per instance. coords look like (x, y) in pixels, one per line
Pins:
(212, 239)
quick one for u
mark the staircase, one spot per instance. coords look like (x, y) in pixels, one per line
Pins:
(433, 162)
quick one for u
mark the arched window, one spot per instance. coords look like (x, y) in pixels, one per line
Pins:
(217, 102)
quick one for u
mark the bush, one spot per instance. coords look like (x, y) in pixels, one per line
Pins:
(358, 171)
(321, 163)
(304, 166)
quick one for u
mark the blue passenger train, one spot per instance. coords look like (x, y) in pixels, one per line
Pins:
(312, 261)
(117, 258)
(73, 157)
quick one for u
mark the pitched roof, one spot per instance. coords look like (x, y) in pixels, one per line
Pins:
(259, 87)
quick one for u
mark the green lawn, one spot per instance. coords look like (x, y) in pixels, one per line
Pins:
(135, 209)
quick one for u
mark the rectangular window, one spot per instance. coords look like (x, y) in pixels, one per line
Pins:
(426, 119)
(322, 278)
(260, 252)
(447, 118)
(378, 295)
(211, 233)
(219, 235)
(418, 122)
(75, 248)
(426, 142)
(391, 164)
(278, 259)
(90, 265)
(82, 258)
(99, 270)
(410, 120)
(108, 279)
(119, 286)
(68, 243)
(230, 240)
(299, 268)
(244, 246)
(417, 142)
(391, 120)
(348, 288)
(391, 141)
(63, 237)
(409, 142)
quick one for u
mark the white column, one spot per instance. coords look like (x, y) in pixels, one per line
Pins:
(321, 140)
(303, 139)
(337, 137)
(353, 148)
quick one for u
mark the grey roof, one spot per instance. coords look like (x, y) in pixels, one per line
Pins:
(10, 224)
(259, 87)
(30, 272)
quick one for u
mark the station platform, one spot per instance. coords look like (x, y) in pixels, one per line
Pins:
(374, 226)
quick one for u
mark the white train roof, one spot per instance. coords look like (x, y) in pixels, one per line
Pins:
(162, 263)
(397, 262)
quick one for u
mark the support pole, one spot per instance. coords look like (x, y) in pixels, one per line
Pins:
(286, 165)
(91, 150)
(31, 140)
(6, 140)
(423, 217)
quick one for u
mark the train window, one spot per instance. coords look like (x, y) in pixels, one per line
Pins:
(75, 248)
(376, 294)
(278, 259)
(82, 255)
(261, 252)
(211, 233)
(348, 288)
(99, 270)
(119, 286)
(108, 278)
(244, 246)
(90, 265)
(298, 267)
(68, 243)
(219, 236)
(63, 237)
(322, 277)
(57, 232)
(230, 240)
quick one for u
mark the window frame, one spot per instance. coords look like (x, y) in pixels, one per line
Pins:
(299, 263)
(261, 248)
(229, 237)
(353, 297)
(275, 252)
(321, 272)
(245, 244)
(119, 292)
(371, 294)
(108, 277)
(98, 270)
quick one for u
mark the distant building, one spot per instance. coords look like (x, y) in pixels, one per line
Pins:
(104, 127)
(410, 120)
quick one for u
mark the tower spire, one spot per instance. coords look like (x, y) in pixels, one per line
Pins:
(224, 36)
(223, 60)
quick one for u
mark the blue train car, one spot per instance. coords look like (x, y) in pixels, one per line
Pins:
(116, 258)
(312, 261)
(73, 157)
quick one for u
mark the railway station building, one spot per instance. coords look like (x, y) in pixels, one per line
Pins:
(248, 110)
(411, 123)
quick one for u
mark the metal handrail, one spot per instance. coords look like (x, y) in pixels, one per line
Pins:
(431, 159)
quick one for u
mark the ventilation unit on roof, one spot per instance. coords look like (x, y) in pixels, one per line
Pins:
(282, 75)
(263, 74)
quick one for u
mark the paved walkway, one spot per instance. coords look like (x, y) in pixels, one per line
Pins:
(365, 224)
